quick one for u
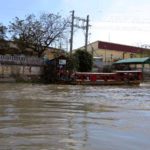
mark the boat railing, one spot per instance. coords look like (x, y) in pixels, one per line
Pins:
(117, 76)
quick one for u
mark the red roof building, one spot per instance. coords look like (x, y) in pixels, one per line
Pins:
(110, 52)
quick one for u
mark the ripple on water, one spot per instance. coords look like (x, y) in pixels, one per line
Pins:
(34, 116)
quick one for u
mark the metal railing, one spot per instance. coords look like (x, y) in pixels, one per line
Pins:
(21, 60)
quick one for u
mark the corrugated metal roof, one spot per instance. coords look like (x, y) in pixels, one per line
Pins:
(134, 61)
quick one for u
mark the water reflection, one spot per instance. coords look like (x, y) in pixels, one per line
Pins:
(65, 117)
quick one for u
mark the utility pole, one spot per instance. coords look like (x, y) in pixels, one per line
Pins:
(72, 30)
(79, 23)
(86, 34)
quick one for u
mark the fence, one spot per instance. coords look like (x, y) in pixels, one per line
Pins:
(21, 60)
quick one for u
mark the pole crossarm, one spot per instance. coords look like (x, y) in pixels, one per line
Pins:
(80, 23)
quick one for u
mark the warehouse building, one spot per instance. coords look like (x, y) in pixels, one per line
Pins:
(110, 52)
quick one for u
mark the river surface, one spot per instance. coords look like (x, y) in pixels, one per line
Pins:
(65, 117)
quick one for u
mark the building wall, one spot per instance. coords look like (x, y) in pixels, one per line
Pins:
(108, 53)
(113, 55)
(52, 53)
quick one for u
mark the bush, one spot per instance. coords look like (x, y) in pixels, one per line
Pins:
(83, 61)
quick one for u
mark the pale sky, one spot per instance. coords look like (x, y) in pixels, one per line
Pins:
(119, 21)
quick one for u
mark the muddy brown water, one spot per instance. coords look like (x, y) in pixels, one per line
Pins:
(66, 117)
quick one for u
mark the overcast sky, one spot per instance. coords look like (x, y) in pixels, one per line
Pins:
(119, 21)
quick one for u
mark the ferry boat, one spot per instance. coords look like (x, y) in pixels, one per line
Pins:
(115, 78)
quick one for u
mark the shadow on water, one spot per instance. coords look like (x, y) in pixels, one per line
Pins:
(65, 117)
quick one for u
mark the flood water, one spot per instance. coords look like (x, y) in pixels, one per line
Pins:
(65, 117)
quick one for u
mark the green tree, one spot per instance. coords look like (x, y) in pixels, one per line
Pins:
(38, 33)
(3, 30)
(3, 43)
(83, 61)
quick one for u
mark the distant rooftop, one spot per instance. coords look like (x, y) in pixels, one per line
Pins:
(134, 61)
(121, 47)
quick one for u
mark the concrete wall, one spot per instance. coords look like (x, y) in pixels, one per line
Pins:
(20, 72)
(18, 68)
